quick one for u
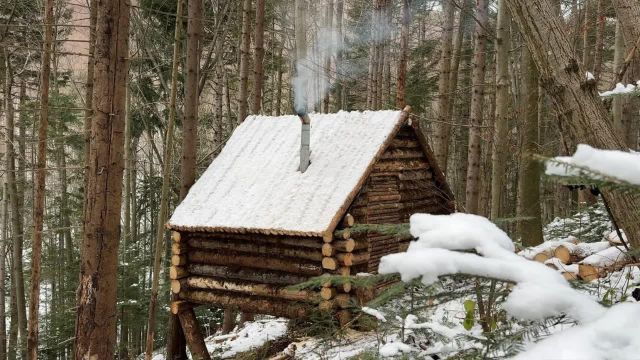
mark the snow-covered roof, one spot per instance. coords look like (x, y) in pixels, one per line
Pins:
(254, 184)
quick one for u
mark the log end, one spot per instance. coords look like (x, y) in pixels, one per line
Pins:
(179, 306)
(329, 263)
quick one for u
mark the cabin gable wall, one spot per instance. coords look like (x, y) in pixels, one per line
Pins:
(402, 182)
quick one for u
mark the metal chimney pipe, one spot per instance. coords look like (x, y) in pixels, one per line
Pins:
(305, 141)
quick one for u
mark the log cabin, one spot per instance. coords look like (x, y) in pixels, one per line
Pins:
(254, 224)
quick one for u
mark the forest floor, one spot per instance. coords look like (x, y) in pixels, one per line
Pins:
(445, 328)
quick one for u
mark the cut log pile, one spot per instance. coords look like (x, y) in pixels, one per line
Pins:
(579, 260)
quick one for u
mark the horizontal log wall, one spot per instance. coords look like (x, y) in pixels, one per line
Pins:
(248, 272)
(402, 183)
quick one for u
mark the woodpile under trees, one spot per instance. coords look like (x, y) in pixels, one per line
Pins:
(580, 260)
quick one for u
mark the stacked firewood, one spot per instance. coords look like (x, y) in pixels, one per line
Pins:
(341, 253)
(578, 260)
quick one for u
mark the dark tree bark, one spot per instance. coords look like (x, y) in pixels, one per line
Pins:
(243, 92)
(529, 229)
(476, 112)
(258, 70)
(404, 55)
(16, 215)
(95, 333)
(442, 129)
(190, 122)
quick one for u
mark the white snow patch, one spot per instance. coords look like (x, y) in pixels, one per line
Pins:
(375, 313)
(613, 238)
(590, 76)
(606, 257)
(253, 335)
(395, 349)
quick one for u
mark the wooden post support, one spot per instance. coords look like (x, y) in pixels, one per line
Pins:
(194, 337)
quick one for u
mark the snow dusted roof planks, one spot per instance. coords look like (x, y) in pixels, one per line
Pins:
(255, 186)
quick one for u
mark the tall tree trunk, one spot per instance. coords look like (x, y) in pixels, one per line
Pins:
(38, 207)
(340, 91)
(472, 193)
(16, 214)
(500, 136)
(565, 83)
(12, 345)
(327, 61)
(164, 192)
(190, 122)
(618, 101)
(95, 333)
(88, 97)
(530, 228)
(404, 55)
(280, 71)
(123, 343)
(588, 35)
(245, 45)
(598, 51)
(442, 129)
(463, 27)
(258, 70)
(3, 272)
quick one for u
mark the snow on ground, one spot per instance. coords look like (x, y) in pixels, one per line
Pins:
(251, 336)
(588, 225)
(610, 163)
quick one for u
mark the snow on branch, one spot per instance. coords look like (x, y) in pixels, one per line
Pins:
(620, 89)
(540, 292)
(608, 165)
